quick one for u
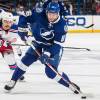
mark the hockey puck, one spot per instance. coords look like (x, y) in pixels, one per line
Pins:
(83, 97)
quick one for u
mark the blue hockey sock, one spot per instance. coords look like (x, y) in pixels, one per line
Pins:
(17, 74)
(61, 81)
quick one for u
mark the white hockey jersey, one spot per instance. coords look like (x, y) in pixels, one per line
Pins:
(10, 35)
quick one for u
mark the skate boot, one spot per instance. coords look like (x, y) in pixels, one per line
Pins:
(75, 88)
(10, 85)
(21, 78)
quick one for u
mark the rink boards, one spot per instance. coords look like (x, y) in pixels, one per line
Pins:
(79, 24)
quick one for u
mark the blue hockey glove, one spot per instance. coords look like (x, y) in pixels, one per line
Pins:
(44, 58)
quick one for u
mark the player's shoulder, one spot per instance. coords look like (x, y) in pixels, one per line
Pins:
(62, 24)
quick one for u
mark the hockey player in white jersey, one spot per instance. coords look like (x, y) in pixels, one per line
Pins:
(8, 36)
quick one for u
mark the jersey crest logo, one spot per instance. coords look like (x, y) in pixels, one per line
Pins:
(65, 28)
(47, 35)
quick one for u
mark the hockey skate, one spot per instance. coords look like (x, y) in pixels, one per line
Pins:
(75, 88)
(10, 85)
(21, 78)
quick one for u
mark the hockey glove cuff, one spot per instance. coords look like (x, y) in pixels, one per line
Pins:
(44, 58)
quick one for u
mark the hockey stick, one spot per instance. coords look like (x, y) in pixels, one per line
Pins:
(19, 45)
(63, 47)
(57, 73)
(78, 48)
(91, 25)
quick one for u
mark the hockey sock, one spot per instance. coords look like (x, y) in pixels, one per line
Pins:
(12, 67)
(17, 74)
(61, 81)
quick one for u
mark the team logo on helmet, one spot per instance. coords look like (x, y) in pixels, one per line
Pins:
(53, 7)
(65, 28)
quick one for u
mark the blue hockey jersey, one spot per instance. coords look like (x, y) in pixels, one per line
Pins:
(44, 32)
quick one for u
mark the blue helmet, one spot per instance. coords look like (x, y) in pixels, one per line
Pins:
(53, 7)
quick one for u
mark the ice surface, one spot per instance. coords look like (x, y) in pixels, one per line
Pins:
(83, 67)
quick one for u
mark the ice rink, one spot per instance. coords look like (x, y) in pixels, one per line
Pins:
(82, 66)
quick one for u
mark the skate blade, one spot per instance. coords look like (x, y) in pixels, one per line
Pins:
(7, 91)
(88, 95)
(22, 81)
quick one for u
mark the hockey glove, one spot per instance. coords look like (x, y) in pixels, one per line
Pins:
(29, 40)
(44, 58)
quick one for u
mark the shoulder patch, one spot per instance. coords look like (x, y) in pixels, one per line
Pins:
(65, 28)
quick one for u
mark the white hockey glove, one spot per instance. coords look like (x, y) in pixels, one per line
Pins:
(29, 40)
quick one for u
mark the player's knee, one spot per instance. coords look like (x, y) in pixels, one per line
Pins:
(28, 59)
(50, 74)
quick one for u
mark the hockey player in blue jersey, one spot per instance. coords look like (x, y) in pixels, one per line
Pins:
(48, 32)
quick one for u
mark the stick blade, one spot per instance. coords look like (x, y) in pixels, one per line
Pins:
(89, 26)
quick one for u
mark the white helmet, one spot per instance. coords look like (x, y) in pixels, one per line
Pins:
(7, 16)
(1, 12)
